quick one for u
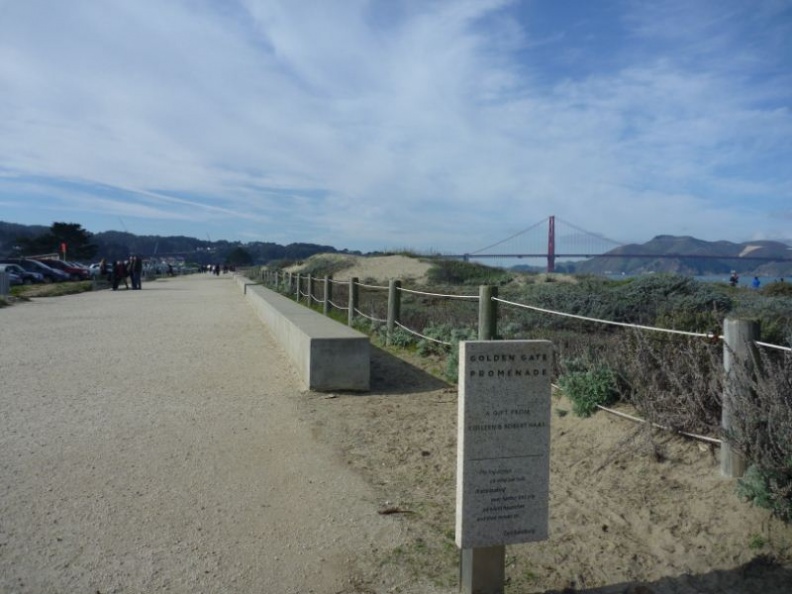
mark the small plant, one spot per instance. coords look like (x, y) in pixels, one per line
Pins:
(401, 338)
(589, 389)
(757, 542)
(458, 272)
(768, 490)
(321, 266)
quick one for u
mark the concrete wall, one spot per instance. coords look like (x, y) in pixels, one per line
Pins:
(328, 355)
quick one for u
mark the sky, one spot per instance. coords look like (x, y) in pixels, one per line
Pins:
(431, 125)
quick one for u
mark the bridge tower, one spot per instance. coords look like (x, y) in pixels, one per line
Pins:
(551, 244)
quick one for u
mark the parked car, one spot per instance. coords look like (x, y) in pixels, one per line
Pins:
(26, 276)
(51, 275)
(74, 272)
(85, 272)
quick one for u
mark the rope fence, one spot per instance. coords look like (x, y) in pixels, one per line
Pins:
(413, 292)
(772, 346)
(710, 336)
(739, 336)
(362, 315)
(419, 335)
(337, 306)
(375, 287)
(352, 283)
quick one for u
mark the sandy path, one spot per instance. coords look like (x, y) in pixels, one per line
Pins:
(152, 441)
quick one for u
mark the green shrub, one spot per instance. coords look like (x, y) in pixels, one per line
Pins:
(772, 313)
(589, 388)
(321, 266)
(280, 264)
(459, 272)
(452, 362)
(777, 289)
(401, 338)
(441, 332)
(768, 490)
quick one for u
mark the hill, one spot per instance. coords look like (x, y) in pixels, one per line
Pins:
(11, 232)
(114, 245)
(691, 256)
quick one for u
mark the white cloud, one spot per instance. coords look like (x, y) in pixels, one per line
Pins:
(374, 123)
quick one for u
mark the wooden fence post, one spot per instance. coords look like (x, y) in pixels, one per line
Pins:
(299, 283)
(394, 308)
(740, 358)
(310, 290)
(352, 301)
(488, 313)
(328, 294)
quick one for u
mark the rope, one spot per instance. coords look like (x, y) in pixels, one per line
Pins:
(663, 427)
(439, 294)
(623, 324)
(773, 346)
(360, 313)
(339, 306)
(414, 333)
(655, 425)
(371, 286)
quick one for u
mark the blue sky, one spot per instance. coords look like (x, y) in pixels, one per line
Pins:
(423, 124)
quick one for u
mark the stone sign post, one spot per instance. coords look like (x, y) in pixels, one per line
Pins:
(503, 455)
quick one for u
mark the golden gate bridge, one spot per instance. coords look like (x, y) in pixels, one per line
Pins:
(570, 241)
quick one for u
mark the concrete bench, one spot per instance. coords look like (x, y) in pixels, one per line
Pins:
(328, 355)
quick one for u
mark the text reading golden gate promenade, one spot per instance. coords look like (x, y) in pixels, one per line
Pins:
(503, 461)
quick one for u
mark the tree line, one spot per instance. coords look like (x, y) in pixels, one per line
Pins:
(84, 246)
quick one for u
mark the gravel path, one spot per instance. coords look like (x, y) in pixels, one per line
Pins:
(152, 441)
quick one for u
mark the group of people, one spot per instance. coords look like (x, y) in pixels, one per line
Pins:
(215, 269)
(118, 271)
(734, 280)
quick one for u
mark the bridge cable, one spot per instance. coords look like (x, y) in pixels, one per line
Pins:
(508, 238)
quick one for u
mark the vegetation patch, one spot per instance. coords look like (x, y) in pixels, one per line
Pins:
(326, 265)
(673, 380)
(52, 289)
(589, 388)
(459, 272)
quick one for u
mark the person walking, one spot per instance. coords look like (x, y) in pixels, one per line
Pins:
(136, 271)
(121, 273)
(113, 274)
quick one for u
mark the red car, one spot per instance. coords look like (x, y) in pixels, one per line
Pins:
(74, 272)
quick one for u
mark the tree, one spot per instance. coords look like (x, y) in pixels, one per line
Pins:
(239, 257)
(77, 240)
